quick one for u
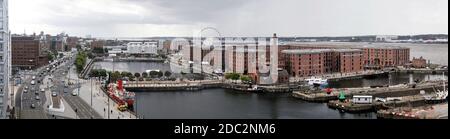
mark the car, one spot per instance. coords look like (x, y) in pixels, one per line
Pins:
(54, 94)
(26, 87)
(34, 77)
(33, 106)
(38, 98)
(65, 91)
(42, 90)
(33, 82)
(74, 94)
(25, 91)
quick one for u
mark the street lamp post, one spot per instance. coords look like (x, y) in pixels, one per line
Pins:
(137, 114)
(68, 80)
(104, 112)
(100, 85)
(76, 116)
(79, 86)
(108, 108)
(91, 92)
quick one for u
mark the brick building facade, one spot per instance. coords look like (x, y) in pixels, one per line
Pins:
(312, 62)
(385, 56)
(419, 62)
(25, 52)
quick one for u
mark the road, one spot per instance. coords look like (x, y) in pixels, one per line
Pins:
(60, 80)
(24, 100)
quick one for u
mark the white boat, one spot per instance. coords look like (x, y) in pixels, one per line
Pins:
(317, 81)
(439, 96)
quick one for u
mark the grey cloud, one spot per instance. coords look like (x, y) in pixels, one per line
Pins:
(239, 17)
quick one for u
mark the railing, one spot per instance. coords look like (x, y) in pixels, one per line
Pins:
(88, 68)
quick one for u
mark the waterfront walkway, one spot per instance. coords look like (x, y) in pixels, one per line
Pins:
(340, 76)
(156, 84)
(392, 91)
(99, 98)
(100, 101)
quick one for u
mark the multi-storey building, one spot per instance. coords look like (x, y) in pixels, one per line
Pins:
(97, 44)
(379, 57)
(312, 62)
(26, 52)
(374, 56)
(5, 60)
(142, 48)
(419, 62)
(72, 42)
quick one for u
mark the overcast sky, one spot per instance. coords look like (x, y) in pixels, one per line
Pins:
(147, 18)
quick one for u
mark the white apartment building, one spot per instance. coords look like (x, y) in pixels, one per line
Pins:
(142, 48)
(5, 60)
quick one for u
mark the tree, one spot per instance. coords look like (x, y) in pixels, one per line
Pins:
(160, 74)
(145, 74)
(232, 76)
(98, 73)
(137, 75)
(94, 73)
(115, 76)
(102, 73)
(130, 75)
(50, 56)
(153, 74)
(228, 76)
(80, 61)
(235, 76)
(78, 47)
(167, 74)
(246, 79)
(66, 47)
(98, 50)
(123, 74)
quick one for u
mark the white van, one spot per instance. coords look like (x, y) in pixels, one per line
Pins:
(33, 82)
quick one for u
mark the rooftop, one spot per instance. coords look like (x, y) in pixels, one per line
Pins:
(384, 47)
(344, 45)
(317, 51)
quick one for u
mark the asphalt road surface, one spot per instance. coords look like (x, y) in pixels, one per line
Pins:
(25, 100)
(82, 109)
